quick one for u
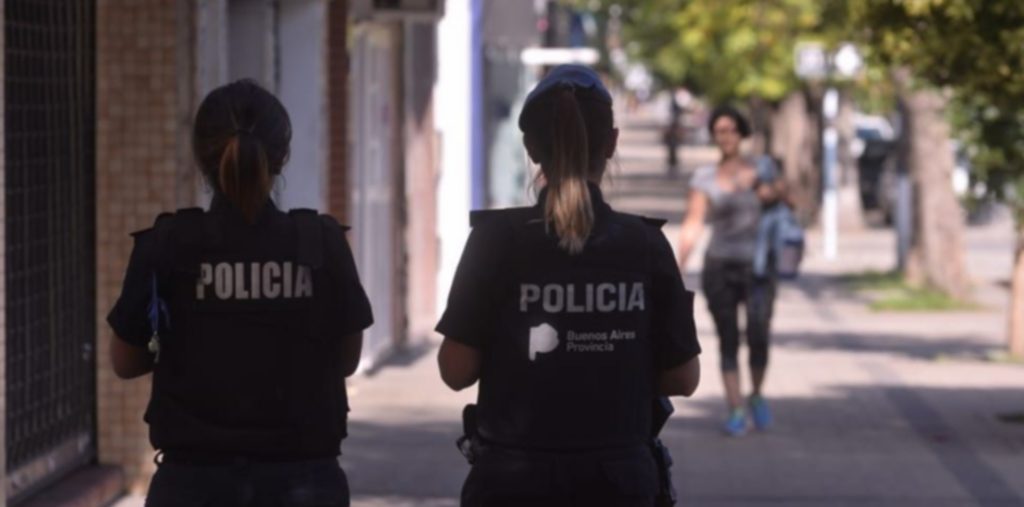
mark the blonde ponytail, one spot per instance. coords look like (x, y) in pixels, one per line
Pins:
(568, 205)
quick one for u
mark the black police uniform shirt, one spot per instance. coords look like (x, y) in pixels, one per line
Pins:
(571, 345)
(250, 351)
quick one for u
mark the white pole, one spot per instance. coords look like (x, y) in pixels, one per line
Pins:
(452, 97)
(830, 205)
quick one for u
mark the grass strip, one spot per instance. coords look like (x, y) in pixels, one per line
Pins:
(889, 292)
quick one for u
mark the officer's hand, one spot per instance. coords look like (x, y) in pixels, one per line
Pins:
(681, 380)
(128, 360)
(459, 364)
(351, 350)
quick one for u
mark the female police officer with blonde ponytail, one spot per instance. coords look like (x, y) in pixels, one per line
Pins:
(249, 318)
(574, 319)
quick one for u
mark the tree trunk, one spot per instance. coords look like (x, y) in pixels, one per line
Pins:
(936, 257)
(787, 119)
(795, 141)
(1016, 331)
(760, 122)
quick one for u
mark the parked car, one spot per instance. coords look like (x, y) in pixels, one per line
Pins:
(869, 127)
(875, 147)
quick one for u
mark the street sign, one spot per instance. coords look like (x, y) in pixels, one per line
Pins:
(811, 60)
(847, 61)
(560, 56)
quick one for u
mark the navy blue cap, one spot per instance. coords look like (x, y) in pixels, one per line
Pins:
(572, 76)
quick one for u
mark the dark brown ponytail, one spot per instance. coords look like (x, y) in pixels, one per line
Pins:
(241, 139)
(244, 174)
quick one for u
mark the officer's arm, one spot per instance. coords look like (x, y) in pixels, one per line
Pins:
(129, 361)
(681, 380)
(459, 364)
(351, 351)
(693, 225)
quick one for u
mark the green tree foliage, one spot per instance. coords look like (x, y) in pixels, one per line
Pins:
(976, 49)
(723, 49)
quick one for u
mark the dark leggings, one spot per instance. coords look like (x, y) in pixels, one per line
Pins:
(726, 285)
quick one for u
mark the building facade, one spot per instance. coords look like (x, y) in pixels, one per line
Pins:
(98, 124)
(97, 114)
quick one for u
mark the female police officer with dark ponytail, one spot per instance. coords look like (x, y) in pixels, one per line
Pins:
(574, 319)
(249, 318)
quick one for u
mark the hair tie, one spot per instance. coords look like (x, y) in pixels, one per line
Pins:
(244, 130)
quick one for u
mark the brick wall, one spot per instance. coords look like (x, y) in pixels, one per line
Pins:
(337, 110)
(142, 165)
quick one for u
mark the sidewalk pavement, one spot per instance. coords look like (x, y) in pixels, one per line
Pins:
(872, 409)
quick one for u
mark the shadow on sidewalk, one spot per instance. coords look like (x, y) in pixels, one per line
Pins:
(419, 461)
(818, 289)
(403, 356)
(963, 348)
(822, 289)
(886, 444)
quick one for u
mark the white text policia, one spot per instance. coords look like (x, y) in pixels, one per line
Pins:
(583, 298)
(254, 280)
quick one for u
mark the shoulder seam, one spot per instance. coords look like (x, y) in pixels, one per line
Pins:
(656, 223)
(479, 217)
(328, 220)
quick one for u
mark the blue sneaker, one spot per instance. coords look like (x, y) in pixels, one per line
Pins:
(760, 412)
(736, 424)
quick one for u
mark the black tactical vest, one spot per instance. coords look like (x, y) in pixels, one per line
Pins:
(570, 362)
(247, 364)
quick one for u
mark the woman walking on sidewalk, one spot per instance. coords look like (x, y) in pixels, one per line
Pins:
(730, 195)
(249, 318)
(574, 319)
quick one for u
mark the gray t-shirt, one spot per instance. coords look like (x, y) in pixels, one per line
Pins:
(733, 217)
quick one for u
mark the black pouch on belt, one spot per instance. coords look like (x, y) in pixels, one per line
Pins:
(467, 442)
(666, 491)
